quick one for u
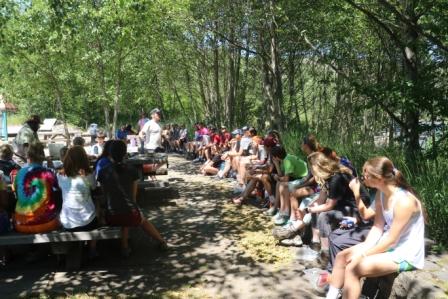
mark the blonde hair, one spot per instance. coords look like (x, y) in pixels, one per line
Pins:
(323, 167)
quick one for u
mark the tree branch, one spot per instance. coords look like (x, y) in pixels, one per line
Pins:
(413, 25)
(355, 84)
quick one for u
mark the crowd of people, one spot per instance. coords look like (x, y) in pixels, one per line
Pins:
(88, 190)
(363, 225)
(358, 226)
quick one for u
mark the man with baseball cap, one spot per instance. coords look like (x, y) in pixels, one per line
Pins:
(151, 132)
(26, 136)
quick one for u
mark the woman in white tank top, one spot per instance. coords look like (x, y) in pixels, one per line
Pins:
(396, 241)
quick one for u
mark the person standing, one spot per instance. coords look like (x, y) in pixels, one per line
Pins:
(151, 133)
(27, 136)
(97, 149)
(93, 130)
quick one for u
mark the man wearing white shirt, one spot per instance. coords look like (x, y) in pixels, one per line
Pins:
(151, 132)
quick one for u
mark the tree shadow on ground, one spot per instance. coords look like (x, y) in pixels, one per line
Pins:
(204, 253)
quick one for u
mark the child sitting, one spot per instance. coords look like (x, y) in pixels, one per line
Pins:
(119, 184)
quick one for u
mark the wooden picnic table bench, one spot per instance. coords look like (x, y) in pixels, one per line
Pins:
(156, 159)
(63, 242)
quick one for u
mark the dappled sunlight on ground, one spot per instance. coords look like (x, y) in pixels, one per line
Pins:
(218, 251)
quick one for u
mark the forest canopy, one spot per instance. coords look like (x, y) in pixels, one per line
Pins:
(351, 71)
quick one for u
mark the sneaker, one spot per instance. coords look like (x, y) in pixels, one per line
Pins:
(285, 232)
(296, 241)
(307, 254)
(271, 212)
(277, 216)
(281, 220)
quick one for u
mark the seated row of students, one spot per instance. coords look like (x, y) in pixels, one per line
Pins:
(325, 192)
(38, 208)
(174, 137)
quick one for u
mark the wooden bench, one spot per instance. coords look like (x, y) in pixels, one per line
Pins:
(63, 242)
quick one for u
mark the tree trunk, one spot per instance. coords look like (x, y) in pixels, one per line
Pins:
(410, 59)
(190, 95)
(61, 113)
(117, 93)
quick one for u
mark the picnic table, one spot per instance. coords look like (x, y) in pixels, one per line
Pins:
(154, 160)
(63, 242)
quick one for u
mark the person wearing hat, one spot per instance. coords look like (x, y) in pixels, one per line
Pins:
(26, 136)
(97, 149)
(151, 132)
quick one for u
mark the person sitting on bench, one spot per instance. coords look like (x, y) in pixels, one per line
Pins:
(396, 241)
(7, 164)
(77, 182)
(35, 185)
(119, 184)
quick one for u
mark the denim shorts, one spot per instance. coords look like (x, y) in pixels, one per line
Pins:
(292, 185)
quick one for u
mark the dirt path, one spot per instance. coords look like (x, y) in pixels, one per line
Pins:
(219, 251)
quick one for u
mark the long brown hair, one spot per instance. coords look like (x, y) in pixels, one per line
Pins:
(382, 167)
(311, 141)
(324, 167)
(75, 160)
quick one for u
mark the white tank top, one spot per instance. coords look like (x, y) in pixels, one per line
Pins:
(411, 243)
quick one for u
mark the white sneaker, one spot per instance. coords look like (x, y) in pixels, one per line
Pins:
(296, 241)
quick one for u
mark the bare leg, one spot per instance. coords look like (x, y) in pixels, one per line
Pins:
(371, 266)
(210, 170)
(151, 230)
(284, 196)
(266, 183)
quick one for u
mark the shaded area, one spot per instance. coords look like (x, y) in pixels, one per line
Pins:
(204, 231)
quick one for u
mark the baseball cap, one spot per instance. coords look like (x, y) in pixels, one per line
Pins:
(155, 110)
(245, 128)
(237, 132)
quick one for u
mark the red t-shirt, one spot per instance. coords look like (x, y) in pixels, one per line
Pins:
(216, 139)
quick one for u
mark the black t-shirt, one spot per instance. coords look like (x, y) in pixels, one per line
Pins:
(338, 190)
(117, 182)
(8, 166)
(217, 161)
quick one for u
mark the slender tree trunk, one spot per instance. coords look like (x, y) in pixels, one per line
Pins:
(190, 95)
(117, 93)
(412, 115)
(58, 94)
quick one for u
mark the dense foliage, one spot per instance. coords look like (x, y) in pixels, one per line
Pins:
(359, 73)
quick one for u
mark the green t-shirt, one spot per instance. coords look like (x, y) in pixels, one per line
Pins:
(294, 167)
